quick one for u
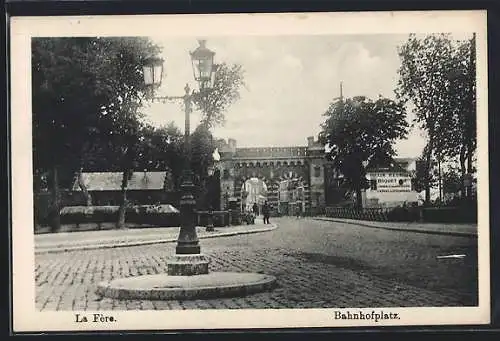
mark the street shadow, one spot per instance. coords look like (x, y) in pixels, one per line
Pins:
(466, 291)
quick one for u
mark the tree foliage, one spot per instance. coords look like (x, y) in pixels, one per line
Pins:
(202, 147)
(437, 76)
(214, 103)
(86, 97)
(87, 100)
(452, 183)
(84, 89)
(359, 130)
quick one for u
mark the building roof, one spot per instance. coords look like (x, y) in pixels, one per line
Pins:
(270, 152)
(387, 164)
(112, 181)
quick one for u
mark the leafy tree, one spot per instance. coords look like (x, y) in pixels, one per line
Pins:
(213, 104)
(226, 91)
(437, 76)
(419, 178)
(86, 96)
(461, 140)
(160, 149)
(202, 147)
(452, 183)
(360, 130)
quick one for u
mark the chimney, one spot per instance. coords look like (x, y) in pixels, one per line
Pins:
(310, 141)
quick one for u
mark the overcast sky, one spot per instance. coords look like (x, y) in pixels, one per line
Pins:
(290, 82)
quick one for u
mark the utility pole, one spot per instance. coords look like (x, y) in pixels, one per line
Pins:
(341, 98)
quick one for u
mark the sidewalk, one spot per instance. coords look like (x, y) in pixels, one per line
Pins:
(87, 240)
(462, 230)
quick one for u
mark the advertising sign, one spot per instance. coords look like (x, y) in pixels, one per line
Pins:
(394, 184)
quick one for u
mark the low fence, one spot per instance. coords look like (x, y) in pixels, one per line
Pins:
(224, 218)
(88, 218)
(458, 214)
(374, 214)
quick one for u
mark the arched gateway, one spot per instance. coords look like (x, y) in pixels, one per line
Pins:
(292, 176)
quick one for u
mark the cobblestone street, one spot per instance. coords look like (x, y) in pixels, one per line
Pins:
(318, 264)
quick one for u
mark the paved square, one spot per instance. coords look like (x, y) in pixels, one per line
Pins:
(317, 265)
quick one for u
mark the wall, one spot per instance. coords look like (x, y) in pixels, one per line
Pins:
(234, 172)
(273, 164)
(317, 185)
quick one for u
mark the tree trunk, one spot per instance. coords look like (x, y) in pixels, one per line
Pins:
(427, 181)
(55, 223)
(440, 183)
(359, 198)
(472, 113)
(463, 171)
(123, 205)
(469, 172)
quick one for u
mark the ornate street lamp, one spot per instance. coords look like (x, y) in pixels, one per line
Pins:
(152, 70)
(187, 271)
(203, 65)
(203, 68)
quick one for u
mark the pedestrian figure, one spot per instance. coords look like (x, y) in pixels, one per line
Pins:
(266, 212)
(255, 209)
(298, 211)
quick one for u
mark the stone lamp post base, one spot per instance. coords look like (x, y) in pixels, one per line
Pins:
(187, 279)
(187, 265)
(164, 287)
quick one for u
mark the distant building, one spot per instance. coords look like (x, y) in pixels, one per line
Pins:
(143, 187)
(285, 171)
(300, 177)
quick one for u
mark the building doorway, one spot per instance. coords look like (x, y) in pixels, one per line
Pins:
(292, 197)
(254, 194)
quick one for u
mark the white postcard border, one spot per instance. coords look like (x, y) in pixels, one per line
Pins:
(25, 316)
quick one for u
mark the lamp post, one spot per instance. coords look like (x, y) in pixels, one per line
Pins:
(211, 172)
(187, 271)
(204, 73)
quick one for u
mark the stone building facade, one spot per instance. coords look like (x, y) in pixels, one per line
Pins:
(304, 165)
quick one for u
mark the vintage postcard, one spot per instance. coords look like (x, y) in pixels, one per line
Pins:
(249, 171)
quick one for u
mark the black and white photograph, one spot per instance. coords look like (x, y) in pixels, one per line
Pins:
(250, 171)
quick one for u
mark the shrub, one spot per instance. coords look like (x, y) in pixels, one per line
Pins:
(89, 214)
(461, 214)
(160, 215)
(398, 214)
(220, 218)
(248, 218)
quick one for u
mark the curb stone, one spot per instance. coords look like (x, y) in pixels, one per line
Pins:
(148, 242)
(426, 231)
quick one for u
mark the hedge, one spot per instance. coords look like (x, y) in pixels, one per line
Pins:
(460, 214)
(219, 218)
(159, 215)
